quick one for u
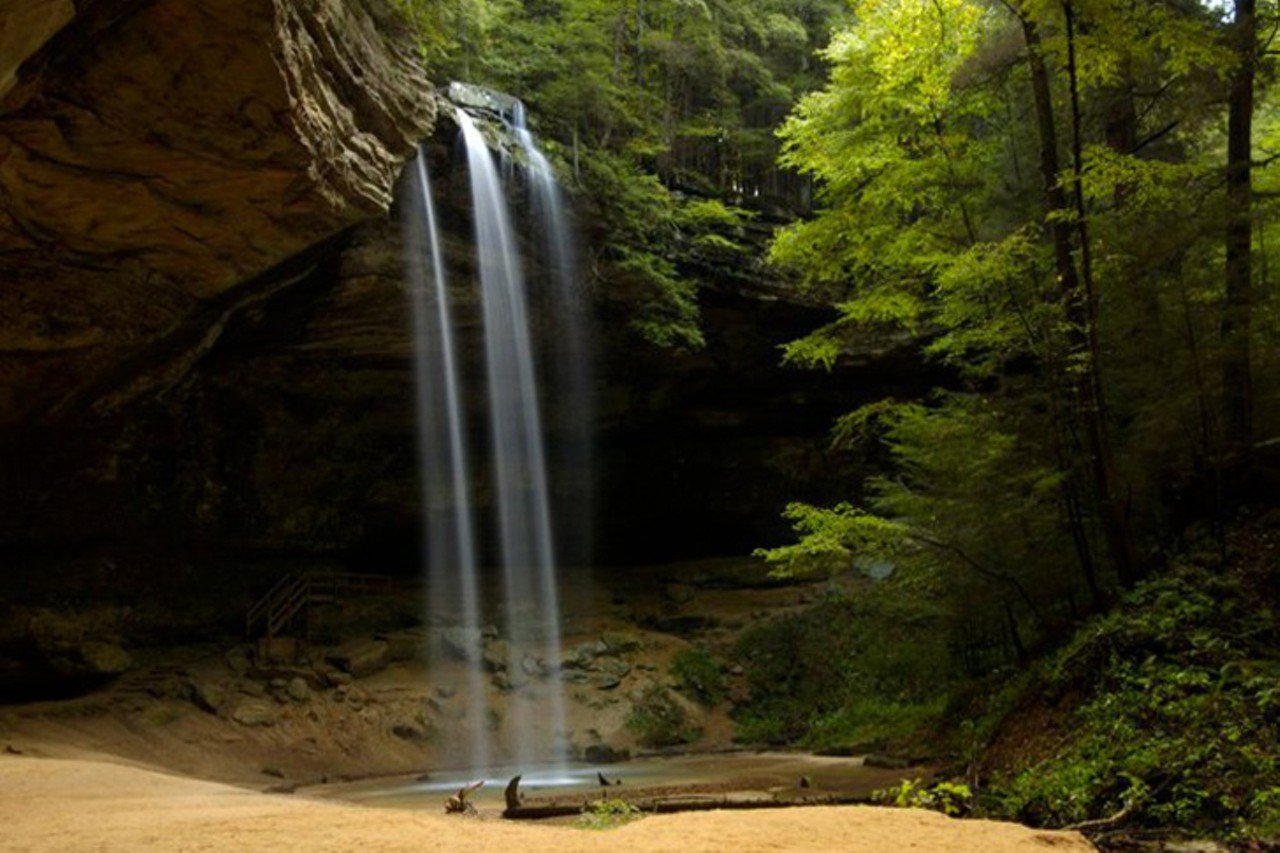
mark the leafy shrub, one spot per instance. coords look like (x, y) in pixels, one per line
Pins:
(951, 798)
(700, 675)
(607, 814)
(659, 720)
(846, 672)
(1179, 724)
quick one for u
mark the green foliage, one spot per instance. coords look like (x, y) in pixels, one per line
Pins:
(951, 798)
(700, 674)
(659, 720)
(1179, 719)
(608, 814)
(857, 671)
(664, 113)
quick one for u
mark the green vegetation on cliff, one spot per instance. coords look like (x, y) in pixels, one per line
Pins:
(662, 113)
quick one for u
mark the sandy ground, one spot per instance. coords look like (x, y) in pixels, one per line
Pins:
(73, 805)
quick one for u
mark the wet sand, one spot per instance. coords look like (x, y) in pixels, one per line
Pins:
(83, 804)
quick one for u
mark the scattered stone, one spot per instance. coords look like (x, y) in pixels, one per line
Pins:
(603, 753)
(496, 655)
(237, 660)
(610, 674)
(405, 645)
(360, 657)
(737, 669)
(684, 624)
(255, 712)
(412, 733)
(534, 667)
(253, 688)
(461, 643)
(583, 656)
(298, 690)
(620, 643)
(208, 696)
(678, 594)
(885, 762)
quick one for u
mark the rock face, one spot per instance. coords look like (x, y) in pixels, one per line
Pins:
(156, 156)
(204, 331)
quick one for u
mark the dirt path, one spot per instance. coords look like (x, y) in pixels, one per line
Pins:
(60, 805)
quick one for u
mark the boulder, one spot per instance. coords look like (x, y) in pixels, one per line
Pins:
(237, 659)
(405, 645)
(621, 643)
(297, 689)
(534, 667)
(461, 643)
(360, 657)
(256, 713)
(497, 655)
(609, 674)
(209, 696)
(603, 753)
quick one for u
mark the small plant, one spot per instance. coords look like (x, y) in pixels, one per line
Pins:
(658, 720)
(953, 799)
(700, 675)
(607, 814)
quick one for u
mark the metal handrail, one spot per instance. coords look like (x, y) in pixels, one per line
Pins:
(291, 593)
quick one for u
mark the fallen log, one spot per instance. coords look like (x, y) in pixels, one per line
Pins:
(512, 793)
(671, 805)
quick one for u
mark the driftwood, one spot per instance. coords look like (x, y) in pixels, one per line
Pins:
(670, 805)
(513, 793)
(458, 803)
(1103, 824)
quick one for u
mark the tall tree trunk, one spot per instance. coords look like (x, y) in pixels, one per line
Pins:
(1076, 291)
(1237, 379)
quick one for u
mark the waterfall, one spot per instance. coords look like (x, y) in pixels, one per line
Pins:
(519, 464)
(442, 450)
(571, 377)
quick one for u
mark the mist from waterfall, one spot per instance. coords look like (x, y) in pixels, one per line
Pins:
(448, 526)
(531, 597)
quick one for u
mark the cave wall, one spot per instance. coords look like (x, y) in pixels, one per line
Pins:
(204, 333)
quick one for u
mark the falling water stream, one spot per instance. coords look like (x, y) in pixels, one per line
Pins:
(571, 376)
(449, 527)
(531, 602)
(518, 465)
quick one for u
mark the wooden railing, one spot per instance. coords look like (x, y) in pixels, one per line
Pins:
(294, 593)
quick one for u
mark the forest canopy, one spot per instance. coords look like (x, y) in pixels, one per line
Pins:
(1069, 204)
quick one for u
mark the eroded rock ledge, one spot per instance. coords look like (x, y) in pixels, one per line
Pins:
(156, 154)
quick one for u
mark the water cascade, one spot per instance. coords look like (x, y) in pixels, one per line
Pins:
(448, 524)
(531, 596)
(571, 376)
